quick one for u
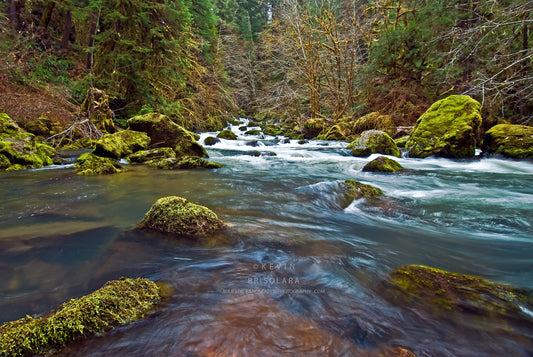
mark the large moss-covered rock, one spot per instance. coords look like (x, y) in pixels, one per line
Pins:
(117, 303)
(177, 215)
(336, 132)
(151, 155)
(89, 164)
(382, 164)
(164, 132)
(95, 107)
(211, 140)
(19, 150)
(514, 141)
(449, 128)
(443, 292)
(44, 126)
(374, 142)
(374, 121)
(227, 134)
(121, 144)
(311, 128)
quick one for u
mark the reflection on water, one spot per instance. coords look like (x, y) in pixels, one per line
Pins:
(296, 272)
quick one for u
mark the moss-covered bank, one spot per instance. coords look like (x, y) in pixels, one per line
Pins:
(117, 303)
(89, 164)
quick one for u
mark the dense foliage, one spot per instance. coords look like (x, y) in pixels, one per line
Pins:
(203, 61)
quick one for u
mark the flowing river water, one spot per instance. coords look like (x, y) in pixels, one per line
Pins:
(296, 273)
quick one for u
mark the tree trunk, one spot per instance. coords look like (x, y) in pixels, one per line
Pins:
(12, 14)
(92, 32)
(525, 68)
(67, 31)
(47, 16)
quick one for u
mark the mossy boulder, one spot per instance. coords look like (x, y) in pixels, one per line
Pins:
(95, 107)
(272, 129)
(374, 121)
(336, 132)
(227, 134)
(211, 140)
(117, 303)
(449, 128)
(253, 132)
(121, 144)
(44, 126)
(443, 292)
(374, 142)
(165, 133)
(178, 216)
(19, 150)
(311, 128)
(89, 164)
(185, 162)
(382, 164)
(151, 155)
(513, 141)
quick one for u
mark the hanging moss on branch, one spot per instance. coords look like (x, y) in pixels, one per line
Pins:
(117, 303)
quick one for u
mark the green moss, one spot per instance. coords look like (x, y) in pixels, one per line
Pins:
(374, 121)
(44, 126)
(4, 162)
(151, 155)
(382, 164)
(333, 133)
(272, 130)
(401, 142)
(227, 134)
(253, 132)
(121, 144)
(449, 128)
(513, 141)
(186, 162)
(117, 303)
(372, 142)
(163, 132)
(444, 291)
(311, 128)
(89, 164)
(177, 215)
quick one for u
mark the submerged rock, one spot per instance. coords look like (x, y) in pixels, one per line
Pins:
(121, 144)
(19, 150)
(382, 164)
(227, 134)
(186, 162)
(449, 128)
(374, 142)
(176, 215)
(152, 155)
(117, 303)
(513, 141)
(443, 292)
(90, 165)
(165, 133)
(356, 190)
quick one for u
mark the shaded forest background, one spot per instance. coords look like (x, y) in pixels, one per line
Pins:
(205, 61)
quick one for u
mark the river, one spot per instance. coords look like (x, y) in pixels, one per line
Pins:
(296, 271)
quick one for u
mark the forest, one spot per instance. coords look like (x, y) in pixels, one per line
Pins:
(204, 61)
